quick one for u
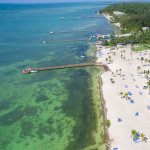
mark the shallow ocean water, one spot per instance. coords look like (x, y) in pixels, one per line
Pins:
(49, 110)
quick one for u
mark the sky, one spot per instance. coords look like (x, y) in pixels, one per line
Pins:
(47, 1)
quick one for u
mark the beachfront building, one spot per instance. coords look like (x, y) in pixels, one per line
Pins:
(145, 28)
(118, 13)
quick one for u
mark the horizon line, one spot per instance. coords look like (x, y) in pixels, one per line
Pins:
(74, 1)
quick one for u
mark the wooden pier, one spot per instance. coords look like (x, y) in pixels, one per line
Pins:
(76, 31)
(69, 40)
(82, 17)
(72, 40)
(31, 70)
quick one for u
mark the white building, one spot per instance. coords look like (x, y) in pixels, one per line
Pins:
(118, 13)
(145, 28)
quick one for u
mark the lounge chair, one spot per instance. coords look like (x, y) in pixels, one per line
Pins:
(119, 120)
(115, 148)
(129, 93)
(132, 101)
(136, 139)
(136, 86)
(148, 107)
(137, 114)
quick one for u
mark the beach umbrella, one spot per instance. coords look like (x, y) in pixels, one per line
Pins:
(129, 93)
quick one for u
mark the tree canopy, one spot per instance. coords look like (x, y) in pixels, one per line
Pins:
(135, 17)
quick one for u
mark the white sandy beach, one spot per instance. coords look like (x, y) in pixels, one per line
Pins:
(110, 18)
(117, 107)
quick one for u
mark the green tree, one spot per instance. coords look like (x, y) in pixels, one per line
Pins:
(148, 84)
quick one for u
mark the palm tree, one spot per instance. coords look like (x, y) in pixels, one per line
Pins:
(116, 72)
(112, 81)
(112, 74)
(133, 132)
(147, 74)
(126, 95)
(124, 53)
(142, 60)
(106, 59)
(142, 136)
(121, 56)
(120, 71)
(138, 69)
(121, 94)
(148, 83)
(146, 60)
(109, 58)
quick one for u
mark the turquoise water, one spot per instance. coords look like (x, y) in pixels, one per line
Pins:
(50, 110)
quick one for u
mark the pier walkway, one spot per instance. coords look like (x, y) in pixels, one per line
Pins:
(82, 17)
(31, 70)
(69, 40)
(72, 40)
(76, 31)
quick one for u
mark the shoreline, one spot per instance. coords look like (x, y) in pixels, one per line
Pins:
(116, 26)
(99, 134)
(114, 103)
(109, 92)
(104, 113)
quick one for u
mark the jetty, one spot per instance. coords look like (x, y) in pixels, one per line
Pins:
(31, 70)
(72, 40)
(69, 40)
(76, 31)
(82, 17)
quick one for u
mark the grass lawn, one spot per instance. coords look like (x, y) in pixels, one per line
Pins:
(140, 47)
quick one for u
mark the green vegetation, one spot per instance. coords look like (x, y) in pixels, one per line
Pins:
(108, 123)
(128, 8)
(140, 47)
(133, 17)
(148, 84)
(138, 136)
(137, 38)
(136, 15)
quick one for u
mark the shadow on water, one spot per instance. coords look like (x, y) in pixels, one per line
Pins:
(80, 107)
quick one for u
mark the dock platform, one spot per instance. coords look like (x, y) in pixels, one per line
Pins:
(31, 70)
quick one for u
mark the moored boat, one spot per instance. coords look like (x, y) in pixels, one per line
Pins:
(29, 70)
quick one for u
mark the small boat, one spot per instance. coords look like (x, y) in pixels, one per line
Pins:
(82, 56)
(62, 18)
(26, 70)
(34, 71)
(51, 33)
(29, 70)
